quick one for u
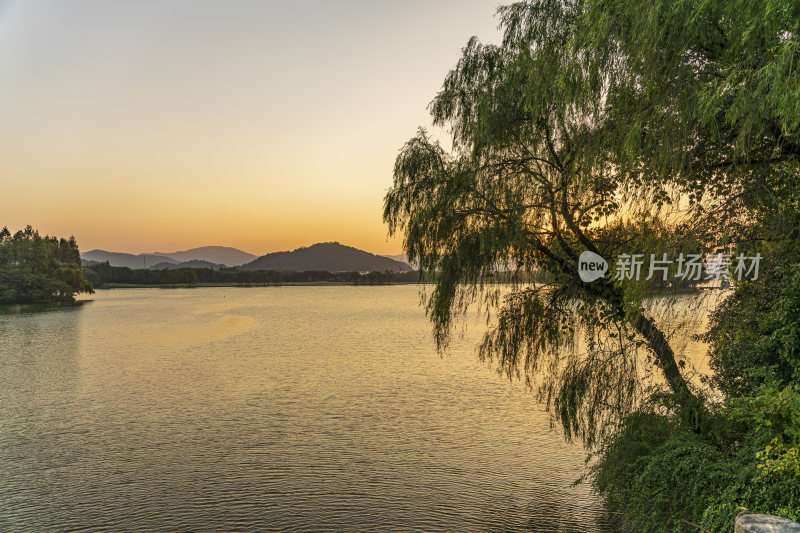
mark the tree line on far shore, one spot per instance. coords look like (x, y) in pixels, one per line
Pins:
(102, 274)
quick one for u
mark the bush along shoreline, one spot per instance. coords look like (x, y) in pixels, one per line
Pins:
(663, 474)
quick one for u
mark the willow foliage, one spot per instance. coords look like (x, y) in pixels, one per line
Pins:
(584, 130)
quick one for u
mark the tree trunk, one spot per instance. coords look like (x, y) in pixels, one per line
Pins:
(663, 351)
(658, 344)
(689, 403)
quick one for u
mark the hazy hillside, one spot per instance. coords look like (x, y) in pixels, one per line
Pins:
(330, 256)
(187, 264)
(223, 255)
(216, 255)
(126, 260)
(403, 258)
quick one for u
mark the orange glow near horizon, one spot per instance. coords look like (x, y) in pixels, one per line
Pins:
(160, 126)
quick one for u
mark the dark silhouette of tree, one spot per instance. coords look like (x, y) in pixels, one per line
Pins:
(588, 129)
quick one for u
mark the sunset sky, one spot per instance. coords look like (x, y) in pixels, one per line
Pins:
(164, 125)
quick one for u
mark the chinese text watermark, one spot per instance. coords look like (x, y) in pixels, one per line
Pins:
(688, 267)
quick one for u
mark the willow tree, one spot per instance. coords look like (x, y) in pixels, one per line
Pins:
(703, 95)
(569, 136)
(530, 183)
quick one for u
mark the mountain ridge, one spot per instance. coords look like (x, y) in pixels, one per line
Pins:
(328, 256)
(222, 255)
(218, 255)
(122, 259)
(194, 263)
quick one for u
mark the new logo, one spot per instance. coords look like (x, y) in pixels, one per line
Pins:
(591, 266)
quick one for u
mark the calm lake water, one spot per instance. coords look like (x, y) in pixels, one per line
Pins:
(269, 409)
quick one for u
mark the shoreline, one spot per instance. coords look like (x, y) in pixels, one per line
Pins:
(250, 286)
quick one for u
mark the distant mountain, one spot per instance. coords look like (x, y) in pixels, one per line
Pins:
(399, 257)
(330, 256)
(126, 260)
(187, 264)
(403, 258)
(223, 255)
(218, 255)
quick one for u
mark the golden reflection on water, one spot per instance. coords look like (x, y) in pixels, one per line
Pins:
(219, 328)
(280, 408)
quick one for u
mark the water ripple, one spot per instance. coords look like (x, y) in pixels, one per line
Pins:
(275, 409)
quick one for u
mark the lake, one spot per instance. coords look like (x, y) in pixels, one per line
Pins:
(270, 409)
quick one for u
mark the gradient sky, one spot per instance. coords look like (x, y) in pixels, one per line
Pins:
(147, 125)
